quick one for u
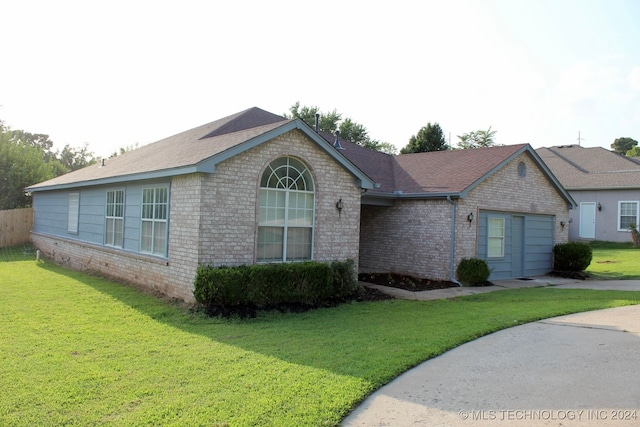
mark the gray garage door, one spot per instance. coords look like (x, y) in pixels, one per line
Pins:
(515, 245)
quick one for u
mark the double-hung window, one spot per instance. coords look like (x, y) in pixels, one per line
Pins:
(495, 238)
(114, 227)
(627, 215)
(286, 212)
(155, 220)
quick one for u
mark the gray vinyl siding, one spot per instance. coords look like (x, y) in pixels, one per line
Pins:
(528, 245)
(92, 211)
(538, 245)
(132, 213)
(51, 213)
(606, 218)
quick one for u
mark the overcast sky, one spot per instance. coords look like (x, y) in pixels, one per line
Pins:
(118, 73)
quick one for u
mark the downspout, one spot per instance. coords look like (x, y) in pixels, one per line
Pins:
(452, 250)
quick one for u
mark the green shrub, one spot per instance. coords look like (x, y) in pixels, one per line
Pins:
(228, 289)
(574, 256)
(345, 280)
(473, 271)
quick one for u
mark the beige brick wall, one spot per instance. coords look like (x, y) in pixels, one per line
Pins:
(230, 199)
(413, 237)
(213, 220)
(506, 191)
(151, 273)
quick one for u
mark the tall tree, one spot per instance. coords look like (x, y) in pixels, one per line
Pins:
(328, 121)
(27, 158)
(39, 141)
(21, 165)
(478, 138)
(332, 121)
(75, 158)
(428, 138)
(622, 145)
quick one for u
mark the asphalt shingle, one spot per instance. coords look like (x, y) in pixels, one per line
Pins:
(578, 167)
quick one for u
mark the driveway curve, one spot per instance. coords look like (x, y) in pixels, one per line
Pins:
(576, 370)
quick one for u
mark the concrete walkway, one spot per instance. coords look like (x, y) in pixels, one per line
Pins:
(623, 285)
(575, 370)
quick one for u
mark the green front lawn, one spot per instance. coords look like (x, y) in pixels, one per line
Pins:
(614, 261)
(78, 350)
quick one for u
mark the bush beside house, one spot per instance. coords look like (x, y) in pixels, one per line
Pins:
(473, 272)
(244, 289)
(573, 256)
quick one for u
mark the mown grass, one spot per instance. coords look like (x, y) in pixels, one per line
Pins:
(78, 350)
(614, 261)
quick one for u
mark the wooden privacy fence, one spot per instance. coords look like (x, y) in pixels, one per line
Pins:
(15, 226)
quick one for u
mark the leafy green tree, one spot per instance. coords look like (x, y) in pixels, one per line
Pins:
(75, 158)
(332, 121)
(27, 158)
(328, 121)
(36, 140)
(622, 145)
(428, 138)
(21, 165)
(634, 152)
(478, 138)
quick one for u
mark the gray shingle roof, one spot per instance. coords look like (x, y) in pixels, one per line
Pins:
(578, 167)
(450, 171)
(434, 174)
(195, 150)
(181, 150)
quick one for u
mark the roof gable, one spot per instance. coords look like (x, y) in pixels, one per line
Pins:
(451, 171)
(448, 173)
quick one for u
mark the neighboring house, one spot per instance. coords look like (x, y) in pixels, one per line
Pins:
(255, 187)
(606, 186)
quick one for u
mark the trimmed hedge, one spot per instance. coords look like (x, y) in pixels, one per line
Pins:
(574, 256)
(264, 286)
(473, 271)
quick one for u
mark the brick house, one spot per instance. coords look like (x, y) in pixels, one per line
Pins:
(255, 187)
(604, 184)
(430, 210)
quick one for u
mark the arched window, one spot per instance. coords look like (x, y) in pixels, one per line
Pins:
(286, 210)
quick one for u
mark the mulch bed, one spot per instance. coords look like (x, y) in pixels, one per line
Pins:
(405, 282)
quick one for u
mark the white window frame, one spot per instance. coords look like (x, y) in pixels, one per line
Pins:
(636, 214)
(495, 237)
(154, 214)
(73, 214)
(286, 205)
(114, 213)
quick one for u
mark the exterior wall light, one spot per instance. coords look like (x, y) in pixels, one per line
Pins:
(599, 206)
(339, 205)
(470, 217)
(562, 224)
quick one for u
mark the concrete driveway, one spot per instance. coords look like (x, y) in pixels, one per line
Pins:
(576, 370)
